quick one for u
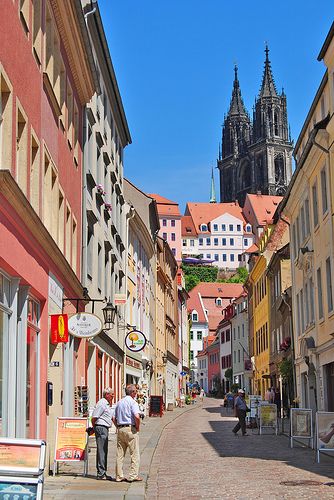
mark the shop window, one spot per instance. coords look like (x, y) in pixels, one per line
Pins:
(21, 150)
(6, 104)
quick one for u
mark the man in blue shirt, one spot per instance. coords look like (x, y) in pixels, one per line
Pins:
(240, 410)
(127, 421)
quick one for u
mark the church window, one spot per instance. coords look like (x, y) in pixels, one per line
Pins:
(223, 227)
(200, 242)
(224, 241)
(276, 123)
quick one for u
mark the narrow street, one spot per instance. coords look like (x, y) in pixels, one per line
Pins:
(199, 457)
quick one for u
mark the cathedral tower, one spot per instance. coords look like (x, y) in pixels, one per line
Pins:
(256, 156)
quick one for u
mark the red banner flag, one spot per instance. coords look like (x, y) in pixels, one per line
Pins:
(59, 328)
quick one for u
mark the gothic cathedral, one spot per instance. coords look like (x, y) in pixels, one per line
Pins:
(256, 156)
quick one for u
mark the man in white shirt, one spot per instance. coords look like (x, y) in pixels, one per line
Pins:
(102, 421)
(127, 421)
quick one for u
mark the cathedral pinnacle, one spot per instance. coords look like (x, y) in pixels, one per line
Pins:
(268, 88)
(237, 106)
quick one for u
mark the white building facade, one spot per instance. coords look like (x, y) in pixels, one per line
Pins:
(240, 344)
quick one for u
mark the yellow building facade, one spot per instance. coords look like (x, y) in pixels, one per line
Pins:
(309, 207)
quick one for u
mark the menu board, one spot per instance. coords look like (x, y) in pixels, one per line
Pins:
(21, 488)
(156, 406)
(301, 424)
(71, 439)
(22, 456)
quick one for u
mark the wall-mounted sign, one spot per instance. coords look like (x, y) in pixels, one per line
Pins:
(59, 328)
(84, 325)
(133, 363)
(119, 299)
(135, 341)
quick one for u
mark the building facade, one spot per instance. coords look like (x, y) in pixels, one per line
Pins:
(104, 213)
(47, 76)
(309, 207)
(240, 343)
(256, 155)
(170, 223)
(216, 232)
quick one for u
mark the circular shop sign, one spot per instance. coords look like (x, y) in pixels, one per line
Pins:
(135, 341)
(84, 325)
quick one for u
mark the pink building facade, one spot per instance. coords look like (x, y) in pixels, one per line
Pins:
(45, 80)
(170, 223)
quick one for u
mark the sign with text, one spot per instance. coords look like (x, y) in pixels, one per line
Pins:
(325, 432)
(268, 417)
(301, 424)
(254, 403)
(119, 299)
(156, 406)
(84, 325)
(22, 456)
(71, 439)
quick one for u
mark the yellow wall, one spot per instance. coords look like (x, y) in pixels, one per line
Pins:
(261, 325)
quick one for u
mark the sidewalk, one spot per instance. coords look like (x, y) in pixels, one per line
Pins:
(70, 483)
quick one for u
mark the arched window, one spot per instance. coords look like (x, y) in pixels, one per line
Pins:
(219, 302)
(276, 123)
(204, 227)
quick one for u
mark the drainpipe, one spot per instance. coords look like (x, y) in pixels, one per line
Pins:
(130, 215)
(89, 13)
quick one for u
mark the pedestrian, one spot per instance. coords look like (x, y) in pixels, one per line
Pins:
(240, 411)
(127, 421)
(277, 401)
(201, 395)
(268, 396)
(102, 421)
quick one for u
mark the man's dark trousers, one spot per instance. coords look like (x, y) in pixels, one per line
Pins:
(101, 435)
(241, 414)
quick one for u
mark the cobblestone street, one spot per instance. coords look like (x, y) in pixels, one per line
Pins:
(199, 457)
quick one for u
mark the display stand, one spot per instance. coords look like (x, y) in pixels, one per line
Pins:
(324, 432)
(22, 463)
(268, 417)
(71, 442)
(301, 425)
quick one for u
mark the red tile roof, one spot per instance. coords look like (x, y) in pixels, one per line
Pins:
(252, 249)
(215, 290)
(204, 213)
(264, 207)
(187, 226)
(194, 304)
(166, 207)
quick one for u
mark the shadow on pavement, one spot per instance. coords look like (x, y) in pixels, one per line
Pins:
(264, 447)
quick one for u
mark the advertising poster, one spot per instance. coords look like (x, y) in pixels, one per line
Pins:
(21, 488)
(325, 430)
(301, 421)
(24, 456)
(254, 402)
(71, 439)
(268, 416)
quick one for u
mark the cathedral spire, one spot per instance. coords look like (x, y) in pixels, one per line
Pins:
(237, 106)
(213, 190)
(268, 87)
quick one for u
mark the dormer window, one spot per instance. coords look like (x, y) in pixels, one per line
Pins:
(194, 316)
(248, 228)
(204, 227)
(219, 302)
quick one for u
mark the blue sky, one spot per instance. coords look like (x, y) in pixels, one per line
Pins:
(174, 65)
